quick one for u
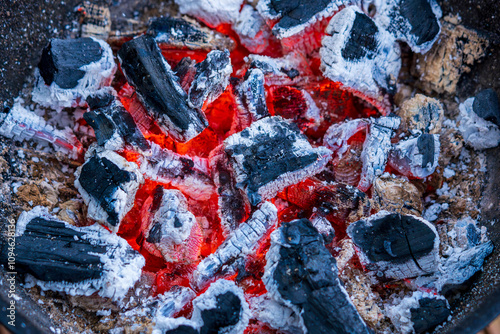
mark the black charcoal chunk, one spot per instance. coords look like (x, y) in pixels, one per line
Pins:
(362, 41)
(486, 105)
(211, 78)
(404, 246)
(270, 155)
(108, 183)
(113, 124)
(183, 329)
(226, 313)
(51, 251)
(305, 275)
(430, 313)
(157, 87)
(425, 144)
(185, 70)
(253, 95)
(62, 59)
(424, 23)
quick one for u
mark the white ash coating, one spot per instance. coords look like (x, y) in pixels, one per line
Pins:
(211, 12)
(478, 133)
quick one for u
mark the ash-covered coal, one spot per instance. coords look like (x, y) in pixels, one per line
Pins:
(185, 70)
(302, 273)
(253, 95)
(405, 246)
(148, 72)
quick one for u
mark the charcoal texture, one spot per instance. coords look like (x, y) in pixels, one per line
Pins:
(226, 314)
(362, 42)
(399, 238)
(252, 94)
(421, 18)
(62, 58)
(157, 86)
(103, 127)
(486, 105)
(177, 30)
(50, 251)
(182, 329)
(100, 178)
(432, 312)
(296, 12)
(426, 147)
(306, 275)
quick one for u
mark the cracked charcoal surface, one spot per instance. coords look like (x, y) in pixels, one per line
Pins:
(146, 70)
(253, 95)
(306, 275)
(432, 312)
(62, 58)
(400, 238)
(486, 105)
(176, 30)
(426, 147)
(362, 42)
(421, 18)
(227, 313)
(296, 12)
(50, 251)
(100, 178)
(103, 127)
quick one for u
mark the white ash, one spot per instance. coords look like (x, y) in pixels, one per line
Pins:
(337, 135)
(478, 133)
(122, 266)
(313, 114)
(277, 315)
(367, 68)
(211, 12)
(21, 124)
(432, 212)
(376, 149)
(276, 69)
(173, 301)
(98, 74)
(252, 29)
(408, 157)
(169, 167)
(239, 244)
(323, 226)
(124, 196)
(252, 95)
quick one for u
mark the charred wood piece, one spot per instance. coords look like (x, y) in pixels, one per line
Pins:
(302, 273)
(416, 157)
(185, 70)
(75, 260)
(167, 225)
(174, 32)
(270, 155)
(406, 246)
(21, 124)
(211, 12)
(157, 87)
(174, 300)
(108, 183)
(113, 125)
(220, 309)
(252, 30)
(360, 54)
(252, 94)
(70, 70)
(190, 175)
(211, 78)
(96, 20)
(240, 243)
(487, 106)
(421, 114)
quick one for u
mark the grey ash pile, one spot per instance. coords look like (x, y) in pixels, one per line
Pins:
(251, 167)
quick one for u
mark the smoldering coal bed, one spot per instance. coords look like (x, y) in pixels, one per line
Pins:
(250, 172)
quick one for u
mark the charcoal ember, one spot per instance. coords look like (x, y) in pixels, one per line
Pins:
(239, 244)
(284, 71)
(301, 273)
(337, 136)
(397, 195)
(360, 54)
(211, 12)
(376, 149)
(347, 167)
(75, 260)
(477, 132)
(20, 124)
(294, 16)
(252, 30)
(419, 312)
(486, 106)
(113, 125)
(190, 175)
(440, 69)
(157, 87)
(416, 157)
(252, 95)
(185, 70)
(334, 201)
(406, 246)
(175, 32)
(415, 22)
(174, 301)
(323, 226)
(220, 309)
(421, 114)
(276, 314)
(284, 157)
(170, 229)
(211, 78)
(70, 70)
(95, 20)
(107, 183)
(232, 203)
